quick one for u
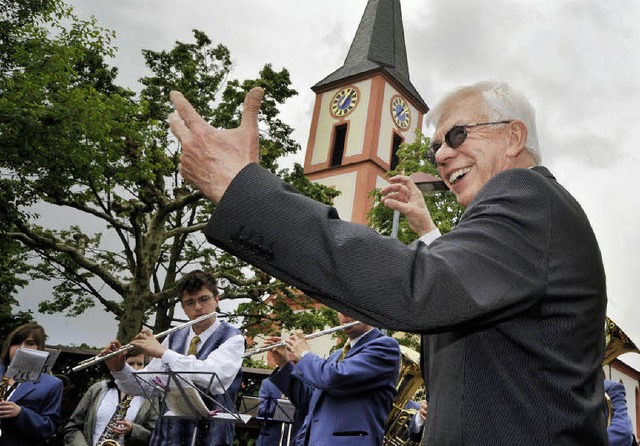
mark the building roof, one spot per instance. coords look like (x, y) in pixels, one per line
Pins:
(378, 46)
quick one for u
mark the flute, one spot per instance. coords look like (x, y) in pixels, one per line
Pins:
(317, 334)
(125, 348)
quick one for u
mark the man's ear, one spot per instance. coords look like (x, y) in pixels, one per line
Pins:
(517, 138)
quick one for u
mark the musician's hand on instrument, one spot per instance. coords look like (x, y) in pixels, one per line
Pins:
(211, 157)
(279, 355)
(297, 345)
(403, 195)
(116, 363)
(149, 344)
(423, 410)
(123, 427)
(9, 409)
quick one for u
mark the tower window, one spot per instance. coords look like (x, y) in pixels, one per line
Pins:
(339, 138)
(397, 140)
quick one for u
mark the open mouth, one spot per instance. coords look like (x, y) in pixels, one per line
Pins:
(458, 175)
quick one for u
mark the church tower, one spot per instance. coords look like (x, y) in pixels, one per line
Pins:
(363, 112)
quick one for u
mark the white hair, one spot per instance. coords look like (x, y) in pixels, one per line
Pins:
(501, 102)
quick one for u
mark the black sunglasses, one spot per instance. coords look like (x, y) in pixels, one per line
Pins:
(455, 137)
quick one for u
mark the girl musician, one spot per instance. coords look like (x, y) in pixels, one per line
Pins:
(97, 419)
(29, 411)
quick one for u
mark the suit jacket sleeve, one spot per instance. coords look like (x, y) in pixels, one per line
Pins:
(490, 267)
(43, 423)
(298, 392)
(359, 372)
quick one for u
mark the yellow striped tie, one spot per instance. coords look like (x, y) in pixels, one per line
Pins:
(192, 346)
(345, 349)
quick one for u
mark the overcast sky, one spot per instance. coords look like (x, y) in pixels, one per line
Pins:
(578, 61)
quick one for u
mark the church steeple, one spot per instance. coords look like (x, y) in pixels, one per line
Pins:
(364, 111)
(377, 46)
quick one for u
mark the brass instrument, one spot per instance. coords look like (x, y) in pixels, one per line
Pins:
(125, 348)
(4, 389)
(617, 343)
(409, 380)
(109, 437)
(317, 334)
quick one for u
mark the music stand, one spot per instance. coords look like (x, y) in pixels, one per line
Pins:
(283, 412)
(184, 400)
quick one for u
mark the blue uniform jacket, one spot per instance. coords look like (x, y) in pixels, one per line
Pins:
(39, 418)
(348, 401)
(620, 431)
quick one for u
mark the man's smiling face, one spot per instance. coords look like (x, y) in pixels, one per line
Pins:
(483, 154)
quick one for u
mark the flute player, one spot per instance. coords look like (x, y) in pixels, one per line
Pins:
(347, 396)
(210, 346)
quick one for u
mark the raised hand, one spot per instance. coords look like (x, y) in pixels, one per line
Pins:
(403, 195)
(211, 157)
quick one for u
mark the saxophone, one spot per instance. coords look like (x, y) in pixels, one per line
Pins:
(5, 388)
(109, 437)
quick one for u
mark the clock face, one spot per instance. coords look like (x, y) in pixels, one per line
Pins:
(400, 112)
(344, 101)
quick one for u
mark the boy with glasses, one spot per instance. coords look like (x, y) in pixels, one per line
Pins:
(210, 346)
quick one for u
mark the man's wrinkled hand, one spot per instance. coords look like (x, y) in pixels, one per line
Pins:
(211, 157)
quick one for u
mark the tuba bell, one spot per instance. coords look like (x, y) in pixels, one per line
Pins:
(409, 381)
(617, 343)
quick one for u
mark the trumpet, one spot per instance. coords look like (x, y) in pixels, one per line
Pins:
(125, 348)
(317, 334)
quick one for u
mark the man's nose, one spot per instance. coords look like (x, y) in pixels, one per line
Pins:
(444, 153)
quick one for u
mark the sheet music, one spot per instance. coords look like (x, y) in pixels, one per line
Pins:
(27, 364)
(51, 359)
(178, 405)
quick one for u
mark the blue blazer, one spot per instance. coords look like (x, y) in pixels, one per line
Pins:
(348, 401)
(620, 431)
(39, 418)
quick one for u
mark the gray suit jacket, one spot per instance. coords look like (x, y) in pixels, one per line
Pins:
(510, 304)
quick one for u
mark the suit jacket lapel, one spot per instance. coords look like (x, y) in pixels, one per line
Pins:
(22, 390)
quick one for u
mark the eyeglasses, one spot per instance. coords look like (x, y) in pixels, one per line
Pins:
(192, 302)
(455, 137)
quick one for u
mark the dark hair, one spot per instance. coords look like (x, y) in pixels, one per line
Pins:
(17, 337)
(196, 280)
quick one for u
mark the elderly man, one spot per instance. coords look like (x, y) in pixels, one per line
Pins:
(510, 304)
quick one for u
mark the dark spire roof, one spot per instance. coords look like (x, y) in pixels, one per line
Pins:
(377, 46)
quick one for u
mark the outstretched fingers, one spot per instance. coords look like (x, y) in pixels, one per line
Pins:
(185, 110)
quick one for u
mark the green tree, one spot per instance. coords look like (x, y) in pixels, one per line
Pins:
(74, 143)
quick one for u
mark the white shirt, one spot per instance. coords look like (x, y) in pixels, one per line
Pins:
(225, 362)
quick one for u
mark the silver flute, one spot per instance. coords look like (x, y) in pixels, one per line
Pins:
(125, 348)
(317, 334)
